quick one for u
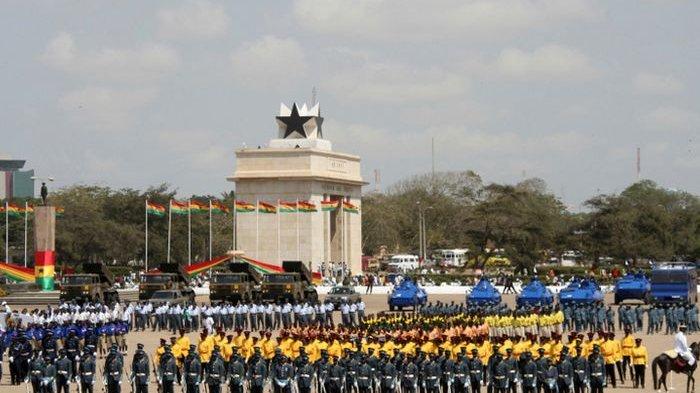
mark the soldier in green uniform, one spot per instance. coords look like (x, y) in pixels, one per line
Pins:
(305, 376)
(235, 374)
(114, 367)
(217, 372)
(86, 371)
(529, 373)
(596, 365)
(140, 371)
(476, 371)
(167, 371)
(192, 370)
(64, 371)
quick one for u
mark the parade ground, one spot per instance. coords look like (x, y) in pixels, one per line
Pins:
(655, 344)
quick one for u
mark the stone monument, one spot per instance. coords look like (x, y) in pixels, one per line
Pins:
(299, 165)
(44, 246)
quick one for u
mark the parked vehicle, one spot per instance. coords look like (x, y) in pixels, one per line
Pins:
(294, 284)
(172, 296)
(342, 293)
(168, 276)
(236, 282)
(632, 286)
(673, 282)
(407, 294)
(581, 290)
(95, 284)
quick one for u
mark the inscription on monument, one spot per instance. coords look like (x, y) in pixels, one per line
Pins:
(335, 165)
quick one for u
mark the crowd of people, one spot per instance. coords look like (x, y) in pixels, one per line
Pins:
(442, 348)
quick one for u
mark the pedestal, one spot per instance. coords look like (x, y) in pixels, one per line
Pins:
(44, 246)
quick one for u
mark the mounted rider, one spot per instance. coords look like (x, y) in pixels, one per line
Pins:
(682, 348)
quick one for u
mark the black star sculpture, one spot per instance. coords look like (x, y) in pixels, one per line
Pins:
(294, 122)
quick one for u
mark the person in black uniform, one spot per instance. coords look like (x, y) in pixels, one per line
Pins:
(36, 372)
(528, 373)
(581, 371)
(217, 372)
(513, 372)
(336, 377)
(20, 356)
(596, 365)
(86, 371)
(566, 371)
(192, 370)
(140, 370)
(409, 376)
(282, 376)
(64, 371)
(305, 376)
(257, 375)
(48, 379)
(72, 347)
(236, 374)
(323, 369)
(114, 368)
(461, 375)
(476, 371)
(542, 366)
(431, 375)
(167, 370)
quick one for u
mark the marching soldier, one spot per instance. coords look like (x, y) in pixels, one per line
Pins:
(462, 380)
(192, 370)
(217, 372)
(323, 368)
(86, 371)
(48, 379)
(36, 372)
(446, 365)
(499, 378)
(476, 371)
(282, 376)
(366, 377)
(257, 375)
(140, 371)
(336, 377)
(167, 371)
(566, 371)
(597, 370)
(551, 377)
(640, 359)
(431, 375)
(72, 347)
(114, 367)
(511, 364)
(236, 374)
(305, 376)
(542, 366)
(409, 376)
(581, 371)
(529, 373)
(64, 371)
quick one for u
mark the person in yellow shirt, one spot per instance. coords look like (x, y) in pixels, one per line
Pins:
(618, 357)
(177, 352)
(555, 346)
(227, 348)
(627, 345)
(640, 360)
(608, 350)
(238, 340)
(183, 342)
(335, 349)
(484, 349)
(158, 353)
(205, 348)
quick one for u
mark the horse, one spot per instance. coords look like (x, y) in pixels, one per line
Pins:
(667, 364)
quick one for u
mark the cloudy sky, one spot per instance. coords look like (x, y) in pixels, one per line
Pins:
(164, 91)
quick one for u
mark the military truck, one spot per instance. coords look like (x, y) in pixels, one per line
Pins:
(96, 283)
(237, 281)
(294, 284)
(168, 276)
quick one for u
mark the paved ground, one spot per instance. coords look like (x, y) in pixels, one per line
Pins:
(375, 303)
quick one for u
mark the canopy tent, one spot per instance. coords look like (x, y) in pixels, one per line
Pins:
(535, 293)
(484, 293)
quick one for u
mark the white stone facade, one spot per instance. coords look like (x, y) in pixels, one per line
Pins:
(310, 172)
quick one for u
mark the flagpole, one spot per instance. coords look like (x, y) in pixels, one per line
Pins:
(170, 218)
(189, 232)
(26, 212)
(145, 259)
(279, 252)
(234, 225)
(7, 233)
(328, 248)
(257, 223)
(345, 240)
(298, 245)
(210, 229)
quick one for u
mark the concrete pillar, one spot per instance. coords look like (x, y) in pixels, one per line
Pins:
(44, 246)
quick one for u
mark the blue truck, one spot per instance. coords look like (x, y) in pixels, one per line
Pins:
(632, 286)
(674, 282)
(407, 294)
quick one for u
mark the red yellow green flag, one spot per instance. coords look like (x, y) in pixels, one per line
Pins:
(306, 207)
(264, 207)
(60, 211)
(329, 205)
(177, 207)
(244, 207)
(198, 207)
(350, 208)
(288, 207)
(28, 209)
(13, 210)
(218, 207)
(155, 209)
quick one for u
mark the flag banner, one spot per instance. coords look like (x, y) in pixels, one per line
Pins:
(350, 208)
(177, 207)
(197, 207)
(244, 207)
(217, 207)
(60, 211)
(264, 268)
(306, 207)
(264, 207)
(17, 273)
(29, 209)
(328, 205)
(13, 210)
(288, 207)
(200, 267)
(155, 209)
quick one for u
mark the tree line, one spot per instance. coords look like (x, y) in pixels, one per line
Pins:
(524, 220)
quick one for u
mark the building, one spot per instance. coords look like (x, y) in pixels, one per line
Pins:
(15, 183)
(299, 165)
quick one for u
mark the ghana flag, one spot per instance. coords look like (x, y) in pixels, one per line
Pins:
(350, 208)
(197, 207)
(177, 207)
(267, 208)
(13, 210)
(60, 211)
(306, 207)
(244, 207)
(17, 273)
(218, 207)
(155, 209)
(288, 207)
(199, 267)
(329, 205)
(28, 209)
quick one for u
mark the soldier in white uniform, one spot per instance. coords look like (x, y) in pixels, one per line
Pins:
(682, 346)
